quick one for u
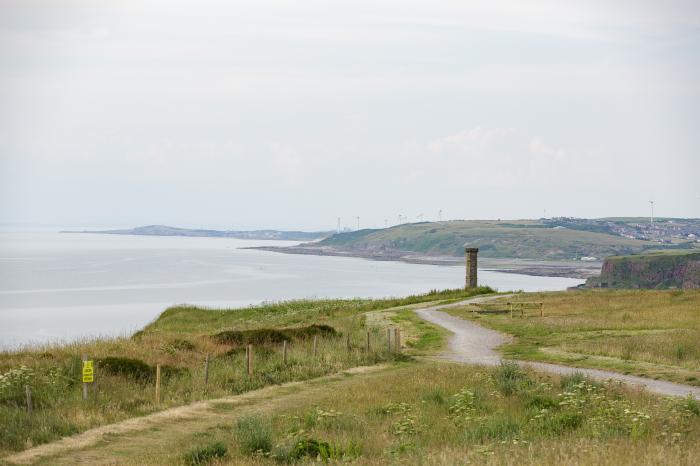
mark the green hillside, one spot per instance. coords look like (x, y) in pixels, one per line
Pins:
(524, 239)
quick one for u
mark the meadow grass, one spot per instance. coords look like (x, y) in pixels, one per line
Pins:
(441, 413)
(178, 341)
(643, 332)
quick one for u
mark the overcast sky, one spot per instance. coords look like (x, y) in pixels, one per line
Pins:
(289, 114)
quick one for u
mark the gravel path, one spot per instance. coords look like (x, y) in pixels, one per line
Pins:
(474, 344)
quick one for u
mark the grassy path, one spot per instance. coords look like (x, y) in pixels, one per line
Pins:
(135, 440)
(474, 344)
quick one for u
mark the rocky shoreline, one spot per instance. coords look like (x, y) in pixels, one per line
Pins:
(567, 269)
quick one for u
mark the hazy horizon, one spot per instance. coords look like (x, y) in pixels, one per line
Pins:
(288, 115)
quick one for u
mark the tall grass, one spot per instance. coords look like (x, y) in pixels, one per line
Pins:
(653, 333)
(179, 341)
(396, 418)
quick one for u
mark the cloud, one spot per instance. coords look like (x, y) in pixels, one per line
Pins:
(506, 157)
(286, 162)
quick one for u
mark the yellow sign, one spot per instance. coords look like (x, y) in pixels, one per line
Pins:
(88, 372)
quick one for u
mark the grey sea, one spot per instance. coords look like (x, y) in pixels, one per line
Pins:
(63, 286)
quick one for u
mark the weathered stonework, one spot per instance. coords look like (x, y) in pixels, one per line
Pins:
(471, 279)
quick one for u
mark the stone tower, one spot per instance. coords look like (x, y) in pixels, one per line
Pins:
(471, 281)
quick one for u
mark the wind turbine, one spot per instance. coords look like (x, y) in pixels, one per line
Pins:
(338, 224)
(440, 215)
(652, 211)
(358, 222)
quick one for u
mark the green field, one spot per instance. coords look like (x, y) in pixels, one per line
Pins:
(647, 333)
(522, 239)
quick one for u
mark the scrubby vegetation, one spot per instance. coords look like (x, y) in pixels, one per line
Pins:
(482, 414)
(179, 341)
(439, 413)
(206, 454)
(642, 332)
(264, 336)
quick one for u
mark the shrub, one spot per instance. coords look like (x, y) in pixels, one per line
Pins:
(264, 336)
(318, 449)
(203, 455)
(136, 370)
(131, 368)
(692, 405)
(509, 377)
(570, 383)
(541, 402)
(172, 347)
(254, 435)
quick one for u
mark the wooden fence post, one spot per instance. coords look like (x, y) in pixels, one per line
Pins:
(85, 385)
(249, 360)
(206, 373)
(157, 384)
(397, 340)
(284, 352)
(541, 309)
(28, 391)
(315, 345)
(511, 310)
(368, 341)
(94, 382)
(388, 339)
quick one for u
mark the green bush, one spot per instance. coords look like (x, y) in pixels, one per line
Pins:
(509, 377)
(318, 450)
(254, 435)
(570, 382)
(135, 369)
(131, 368)
(203, 455)
(264, 336)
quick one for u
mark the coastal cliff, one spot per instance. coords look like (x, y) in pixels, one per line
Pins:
(654, 270)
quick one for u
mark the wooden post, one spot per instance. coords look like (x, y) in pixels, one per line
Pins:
(85, 385)
(315, 345)
(284, 352)
(249, 360)
(94, 382)
(368, 341)
(28, 391)
(397, 340)
(157, 384)
(206, 373)
(522, 311)
(511, 310)
(388, 339)
(541, 309)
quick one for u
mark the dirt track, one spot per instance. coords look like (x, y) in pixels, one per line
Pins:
(474, 344)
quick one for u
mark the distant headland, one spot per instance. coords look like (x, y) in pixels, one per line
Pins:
(163, 230)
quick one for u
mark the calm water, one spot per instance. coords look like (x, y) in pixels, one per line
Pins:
(63, 286)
